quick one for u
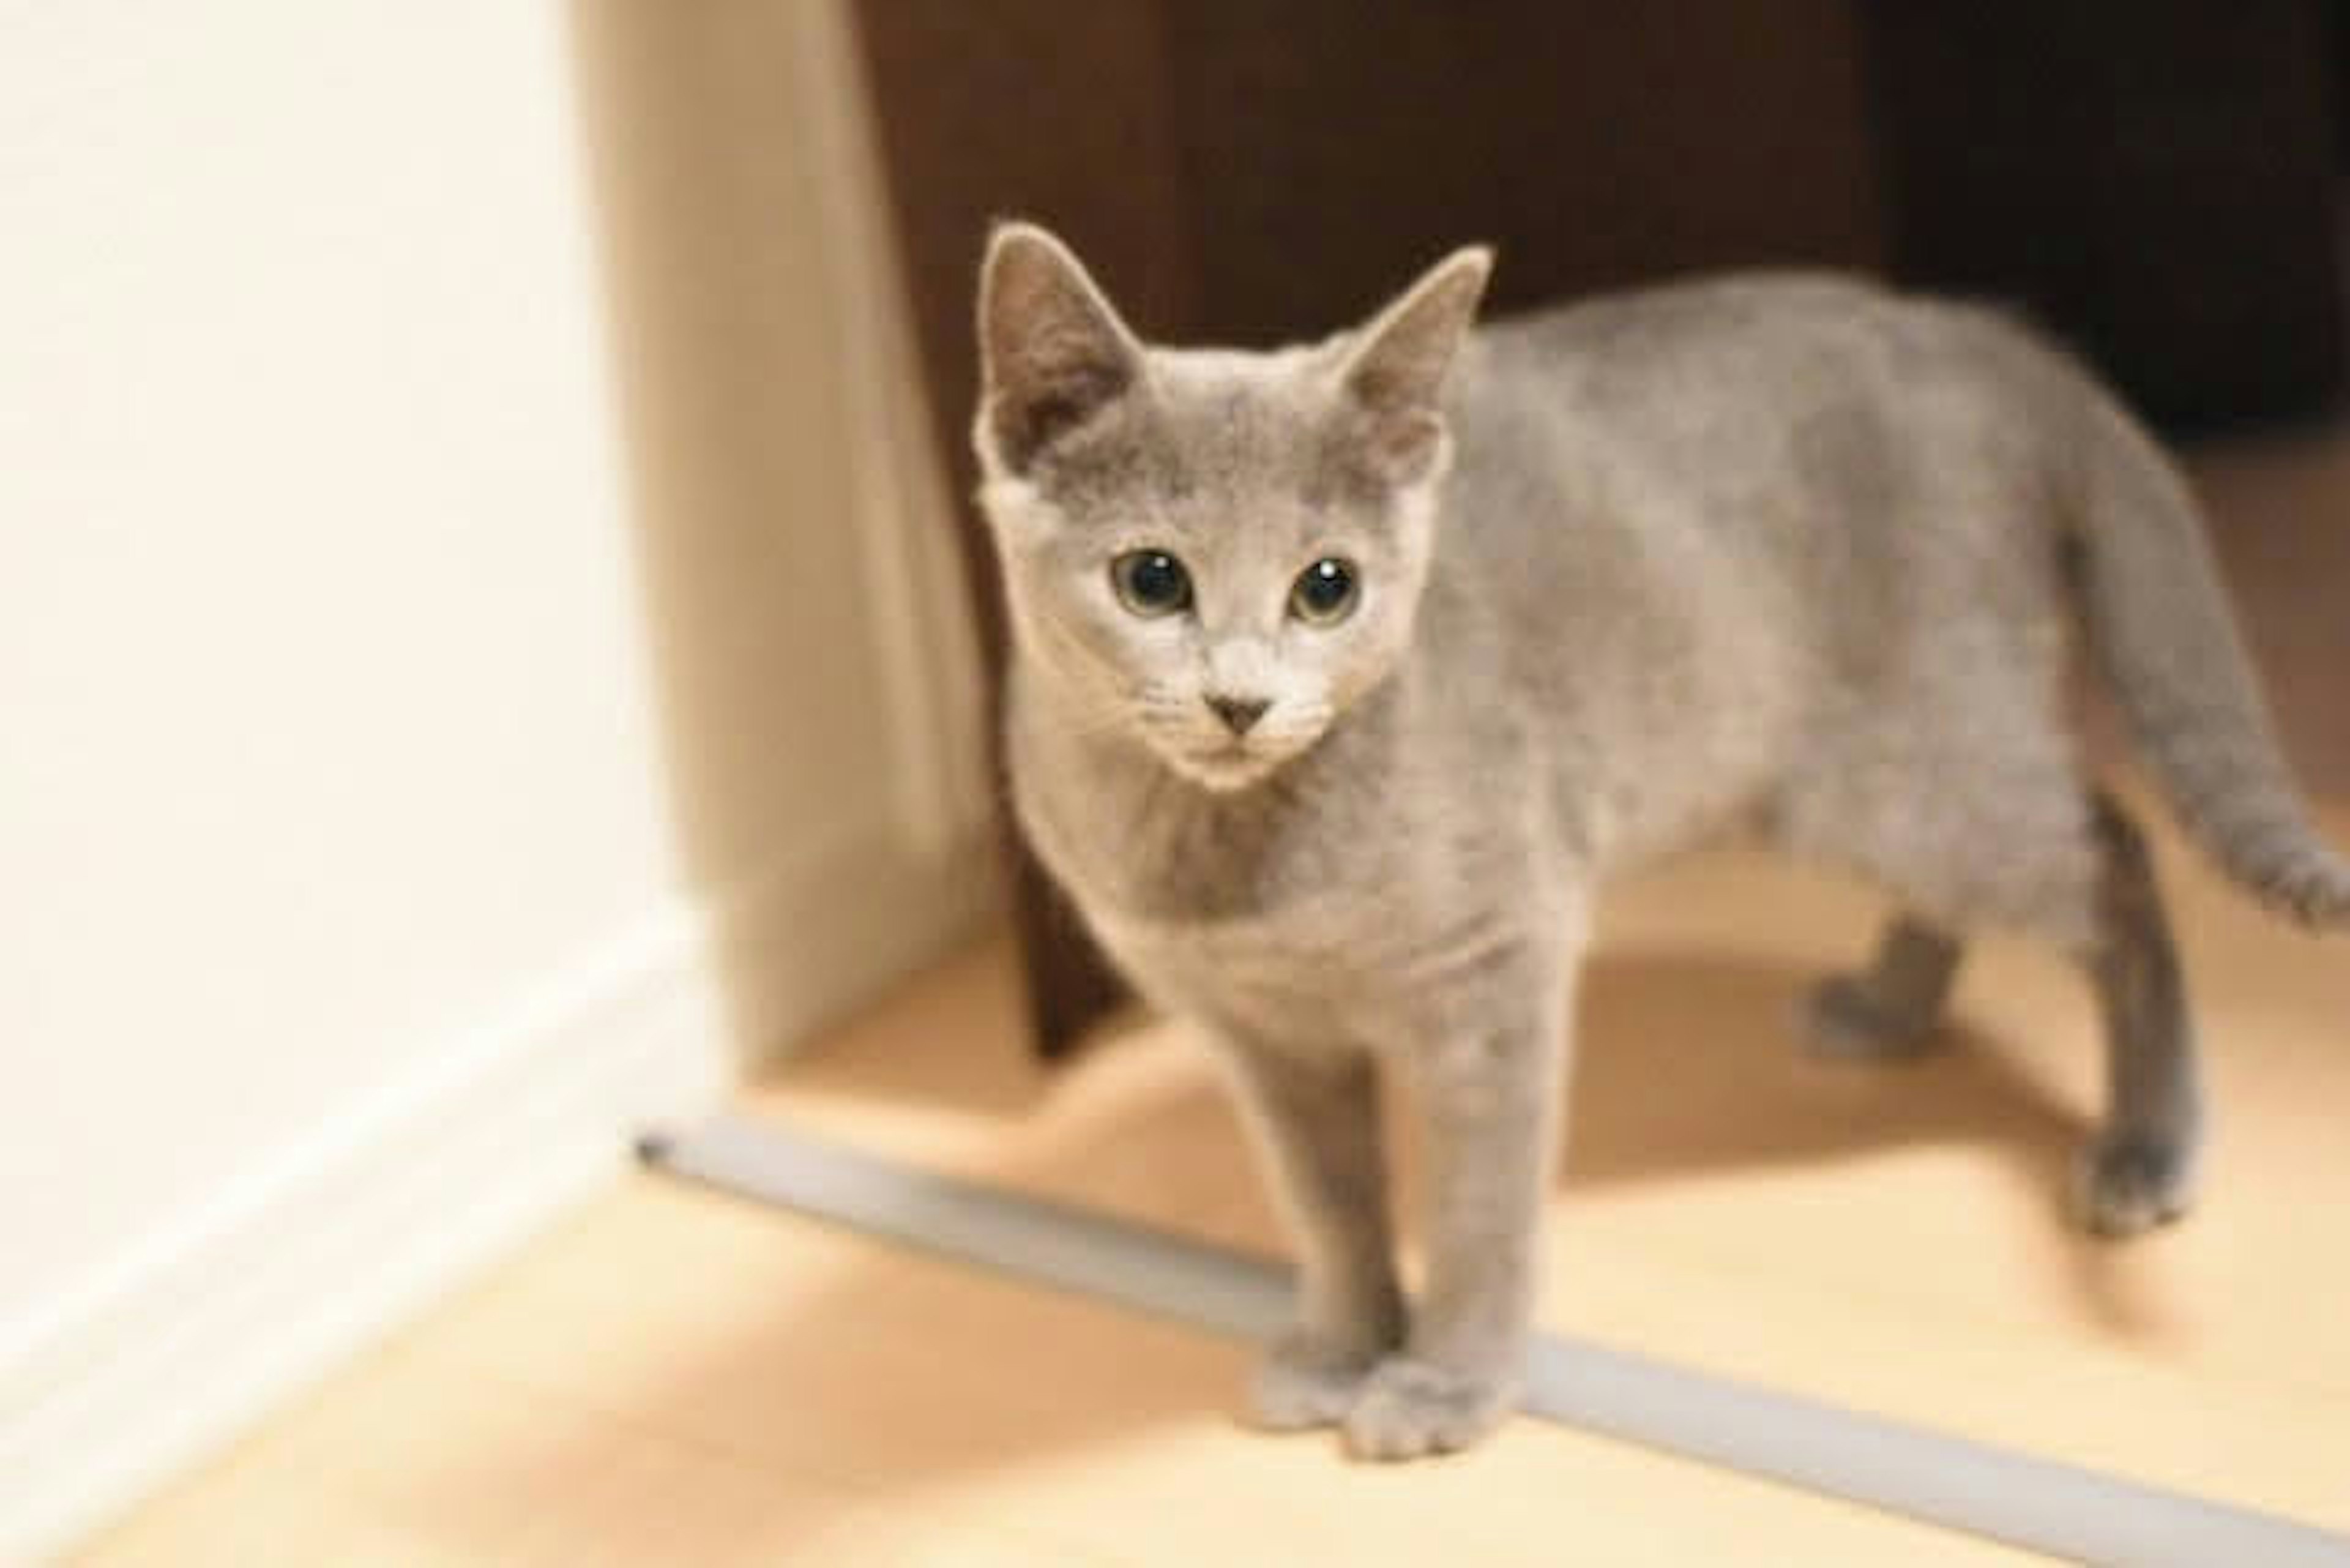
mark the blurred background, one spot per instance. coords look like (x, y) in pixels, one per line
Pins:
(2156, 184)
(493, 652)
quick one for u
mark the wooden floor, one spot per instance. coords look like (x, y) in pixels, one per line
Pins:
(671, 1376)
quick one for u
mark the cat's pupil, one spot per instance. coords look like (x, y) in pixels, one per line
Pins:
(1325, 590)
(1151, 582)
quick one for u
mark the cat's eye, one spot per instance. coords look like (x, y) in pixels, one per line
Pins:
(1150, 581)
(1324, 592)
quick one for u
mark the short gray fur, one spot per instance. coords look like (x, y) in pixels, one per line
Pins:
(1782, 555)
(2035, 1503)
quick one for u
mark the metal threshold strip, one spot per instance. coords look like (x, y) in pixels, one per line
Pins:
(2039, 1504)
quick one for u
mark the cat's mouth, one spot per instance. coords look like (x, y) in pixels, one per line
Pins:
(1227, 765)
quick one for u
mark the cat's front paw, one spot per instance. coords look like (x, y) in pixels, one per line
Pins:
(1306, 1380)
(1407, 1408)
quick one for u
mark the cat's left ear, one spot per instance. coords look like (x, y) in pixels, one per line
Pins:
(1394, 370)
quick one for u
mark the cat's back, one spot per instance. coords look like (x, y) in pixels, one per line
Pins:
(1786, 421)
(1705, 309)
(1691, 521)
(1754, 349)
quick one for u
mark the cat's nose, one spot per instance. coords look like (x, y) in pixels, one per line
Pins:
(1239, 713)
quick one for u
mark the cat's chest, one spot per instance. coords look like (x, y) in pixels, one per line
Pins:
(1156, 853)
(1348, 964)
(1285, 975)
(1308, 909)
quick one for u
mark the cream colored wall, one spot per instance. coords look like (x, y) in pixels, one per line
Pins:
(321, 666)
(416, 678)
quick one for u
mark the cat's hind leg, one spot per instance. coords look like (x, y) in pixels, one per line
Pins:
(2066, 863)
(2140, 1170)
(2028, 845)
(1891, 1008)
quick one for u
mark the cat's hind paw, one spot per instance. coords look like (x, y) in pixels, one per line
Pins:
(1410, 1408)
(1845, 1019)
(2124, 1186)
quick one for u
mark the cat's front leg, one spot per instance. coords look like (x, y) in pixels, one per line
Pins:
(1314, 1121)
(1488, 1092)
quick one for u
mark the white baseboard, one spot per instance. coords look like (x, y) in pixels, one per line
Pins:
(327, 1241)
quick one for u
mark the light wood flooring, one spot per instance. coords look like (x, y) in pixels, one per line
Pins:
(674, 1376)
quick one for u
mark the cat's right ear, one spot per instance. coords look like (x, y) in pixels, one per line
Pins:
(1051, 351)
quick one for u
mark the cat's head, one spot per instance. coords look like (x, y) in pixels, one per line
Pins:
(1213, 553)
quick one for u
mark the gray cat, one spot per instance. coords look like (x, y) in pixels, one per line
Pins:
(1346, 674)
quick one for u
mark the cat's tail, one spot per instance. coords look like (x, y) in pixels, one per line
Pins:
(2161, 631)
